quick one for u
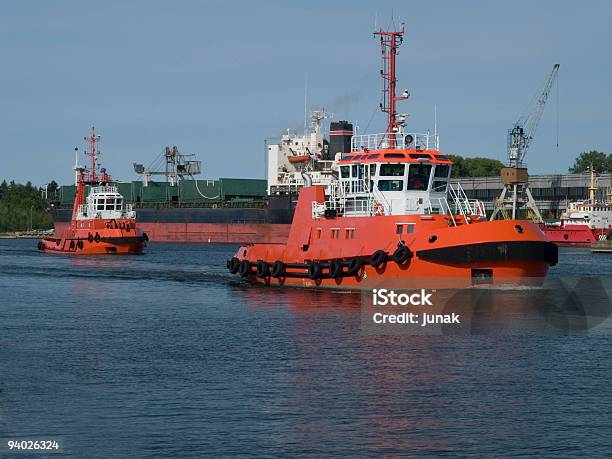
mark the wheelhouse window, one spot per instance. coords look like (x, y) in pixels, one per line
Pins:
(439, 186)
(390, 185)
(392, 170)
(345, 172)
(418, 176)
(442, 171)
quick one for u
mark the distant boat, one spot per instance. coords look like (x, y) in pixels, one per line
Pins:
(101, 223)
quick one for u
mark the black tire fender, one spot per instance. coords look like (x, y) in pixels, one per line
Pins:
(233, 264)
(335, 269)
(354, 266)
(90, 238)
(245, 268)
(278, 269)
(263, 269)
(378, 258)
(314, 270)
(402, 254)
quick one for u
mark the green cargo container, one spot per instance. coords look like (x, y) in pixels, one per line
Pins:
(136, 191)
(125, 190)
(155, 192)
(67, 193)
(231, 188)
(206, 191)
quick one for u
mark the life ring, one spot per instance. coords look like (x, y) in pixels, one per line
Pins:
(401, 254)
(278, 269)
(378, 258)
(97, 237)
(335, 269)
(378, 209)
(263, 269)
(90, 238)
(354, 266)
(245, 268)
(314, 270)
(80, 244)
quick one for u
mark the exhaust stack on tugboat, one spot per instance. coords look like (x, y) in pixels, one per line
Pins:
(392, 219)
(100, 223)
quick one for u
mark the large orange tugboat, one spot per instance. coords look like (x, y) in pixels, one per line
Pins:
(101, 223)
(391, 218)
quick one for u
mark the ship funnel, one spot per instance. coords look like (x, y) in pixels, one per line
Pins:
(340, 134)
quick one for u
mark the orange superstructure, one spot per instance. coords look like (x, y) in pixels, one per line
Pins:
(101, 223)
(392, 219)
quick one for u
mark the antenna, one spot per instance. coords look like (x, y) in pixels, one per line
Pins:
(436, 126)
(305, 103)
(389, 43)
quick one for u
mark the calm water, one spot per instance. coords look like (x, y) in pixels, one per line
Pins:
(165, 354)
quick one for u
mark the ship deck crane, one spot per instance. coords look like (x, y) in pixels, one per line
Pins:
(172, 164)
(515, 177)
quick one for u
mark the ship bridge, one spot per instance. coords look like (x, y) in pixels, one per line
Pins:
(396, 181)
(105, 202)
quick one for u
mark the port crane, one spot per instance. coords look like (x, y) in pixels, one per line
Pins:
(514, 177)
(172, 164)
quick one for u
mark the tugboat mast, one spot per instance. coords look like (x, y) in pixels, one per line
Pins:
(390, 40)
(92, 153)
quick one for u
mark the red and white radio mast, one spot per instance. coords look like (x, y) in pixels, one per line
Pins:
(389, 43)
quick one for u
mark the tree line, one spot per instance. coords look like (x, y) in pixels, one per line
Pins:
(24, 207)
(601, 162)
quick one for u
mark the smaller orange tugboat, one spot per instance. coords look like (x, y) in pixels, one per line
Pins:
(102, 223)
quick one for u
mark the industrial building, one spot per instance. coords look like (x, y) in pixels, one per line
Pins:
(551, 192)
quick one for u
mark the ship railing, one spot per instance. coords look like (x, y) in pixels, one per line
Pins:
(82, 210)
(353, 198)
(104, 189)
(403, 140)
(443, 208)
(464, 205)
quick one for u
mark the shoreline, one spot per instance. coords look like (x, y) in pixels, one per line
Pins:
(35, 234)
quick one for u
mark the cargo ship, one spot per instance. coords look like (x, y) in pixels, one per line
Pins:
(584, 222)
(171, 205)
(389, 218)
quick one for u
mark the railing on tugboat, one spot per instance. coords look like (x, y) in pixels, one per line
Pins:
(355, 198)
(103, 189)
(403, 140)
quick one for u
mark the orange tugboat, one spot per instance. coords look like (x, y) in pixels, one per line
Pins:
(100, 224)
(391, 218)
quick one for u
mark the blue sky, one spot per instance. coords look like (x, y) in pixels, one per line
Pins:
(217, 78)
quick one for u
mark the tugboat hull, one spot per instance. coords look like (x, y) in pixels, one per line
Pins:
(122, 239)
(400, 251)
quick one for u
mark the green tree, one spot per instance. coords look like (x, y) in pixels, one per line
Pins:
(475, 167)
(22, 206)
(600, 161)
